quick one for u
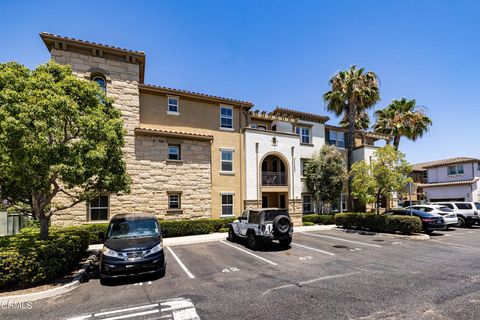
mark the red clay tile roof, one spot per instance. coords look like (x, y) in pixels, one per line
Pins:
(198, 94)
(451, 183)
(438, 163)
(57, 37)
(173, 132)
(306, 115)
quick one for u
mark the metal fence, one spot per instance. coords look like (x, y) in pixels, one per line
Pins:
(274, 178)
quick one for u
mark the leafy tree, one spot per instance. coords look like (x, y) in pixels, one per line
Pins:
(402, 118)
(387, 173)
(352, 92)
(60, 141)
(325, 174)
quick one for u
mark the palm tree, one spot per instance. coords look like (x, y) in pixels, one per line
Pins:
(362, 121)
(352, 91)
(402, 118)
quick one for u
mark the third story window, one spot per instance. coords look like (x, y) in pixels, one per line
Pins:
(337, 138)
(304, 134)
(227, 204)
(98, 208)
(455, 169)
(173, 152)
(226, 117)
(227, 160)
(173, 104)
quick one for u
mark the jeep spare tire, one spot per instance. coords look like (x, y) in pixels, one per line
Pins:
(282, 224)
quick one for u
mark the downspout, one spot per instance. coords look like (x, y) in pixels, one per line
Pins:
(240, 130)
(258, 174)
(293, 177)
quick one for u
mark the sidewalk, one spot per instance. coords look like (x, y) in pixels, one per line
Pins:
(212, 237)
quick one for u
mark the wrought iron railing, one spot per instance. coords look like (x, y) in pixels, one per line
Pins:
(274, 178)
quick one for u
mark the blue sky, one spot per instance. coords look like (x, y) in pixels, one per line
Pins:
(283, 52)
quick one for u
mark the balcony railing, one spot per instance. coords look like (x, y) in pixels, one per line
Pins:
(274, 178)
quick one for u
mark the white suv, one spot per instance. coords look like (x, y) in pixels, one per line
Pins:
(467, 212)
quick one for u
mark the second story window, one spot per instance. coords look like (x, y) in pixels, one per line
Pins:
(173, 152)
(173, 105)
(303, 164)
(226, 161)
(102, 83)
(336, 138)
(304, 134)
(226, 117)
(455, 169)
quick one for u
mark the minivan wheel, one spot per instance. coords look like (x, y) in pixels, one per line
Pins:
(461, 222)
(252, 241)
(285, 242)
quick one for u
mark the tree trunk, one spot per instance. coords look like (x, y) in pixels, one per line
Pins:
(350, 144)
(378, 201)
(44, 224)
(396, 142)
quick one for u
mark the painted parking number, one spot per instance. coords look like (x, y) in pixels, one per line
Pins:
(230, 270)
(305, 258)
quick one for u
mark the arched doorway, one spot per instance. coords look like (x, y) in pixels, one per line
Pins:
(274, 179)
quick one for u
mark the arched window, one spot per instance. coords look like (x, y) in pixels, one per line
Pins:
(102, 83)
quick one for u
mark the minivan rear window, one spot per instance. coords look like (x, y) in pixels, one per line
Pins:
(463, 206)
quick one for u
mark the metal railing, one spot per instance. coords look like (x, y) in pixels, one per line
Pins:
(274, 178)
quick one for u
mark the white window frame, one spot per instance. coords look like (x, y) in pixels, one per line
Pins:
(334, 139)
(262, 127)
(177, 106)
(232, 151)
(179, 201)
(303, 203)
(90, 209)
(179, 152)
(303, 163)
(299, 131)
(226, 117)
(227, 193)
(456, 171)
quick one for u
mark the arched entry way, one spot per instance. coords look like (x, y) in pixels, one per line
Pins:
(274, 178)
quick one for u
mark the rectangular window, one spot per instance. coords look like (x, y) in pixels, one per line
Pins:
(174, 201)
(173, 105)
(173, 152)
(253, 125)
(307, 203)
(226, 160)
(303, 163)
(336, 138)
(455, 169)
(262, 127)
(98, 209)
(227, 204)
(425, 174)
(304, 134)
(226, 117)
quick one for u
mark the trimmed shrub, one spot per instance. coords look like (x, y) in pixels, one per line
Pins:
(306, 223)
(379, 222)
(25, 260)
(177, 228)
(319, 218)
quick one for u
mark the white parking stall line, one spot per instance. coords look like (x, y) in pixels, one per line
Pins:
(248, 252)
(189, 274)
(341, 239)
(314, 249)
(131, 315)
(106, 313)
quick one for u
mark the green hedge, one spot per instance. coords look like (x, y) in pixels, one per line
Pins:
(25, 260)
(319, 218)
(177, 228)
(379, 222)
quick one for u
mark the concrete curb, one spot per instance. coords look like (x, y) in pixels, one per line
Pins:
(34, 296)
(418, 237)
(213, 237)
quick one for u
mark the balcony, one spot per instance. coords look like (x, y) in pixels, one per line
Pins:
(273, 179)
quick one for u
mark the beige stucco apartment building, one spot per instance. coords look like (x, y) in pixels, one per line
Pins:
(193, 155)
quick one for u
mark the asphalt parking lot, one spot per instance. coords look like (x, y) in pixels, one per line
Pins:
(323, 275)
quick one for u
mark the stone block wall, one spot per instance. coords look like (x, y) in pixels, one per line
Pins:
(152, 176)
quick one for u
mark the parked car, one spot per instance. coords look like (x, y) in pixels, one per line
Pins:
(448, 214)
(430, 221)
(261, 226)
(132, 246)
(467, 212)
